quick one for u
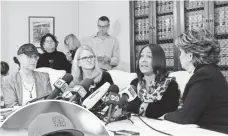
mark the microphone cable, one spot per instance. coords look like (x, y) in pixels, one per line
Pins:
(151, 126)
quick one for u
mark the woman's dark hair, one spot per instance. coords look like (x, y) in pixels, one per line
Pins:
(43, 38)
(158, 63)
(4, 68)
(16, 61)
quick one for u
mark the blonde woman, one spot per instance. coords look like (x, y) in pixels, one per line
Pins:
(85, 65)
(72, 44)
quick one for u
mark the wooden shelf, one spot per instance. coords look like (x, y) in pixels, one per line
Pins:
(165, 41)
(141, 42)
(194, 9)
(164, 14)
(221, 5)
(141, 17)
(221, 36)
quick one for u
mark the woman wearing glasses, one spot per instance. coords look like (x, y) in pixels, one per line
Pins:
(51, 57)
(26, 84)
(85, 65)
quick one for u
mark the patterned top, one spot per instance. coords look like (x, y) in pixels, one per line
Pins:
(154, 93)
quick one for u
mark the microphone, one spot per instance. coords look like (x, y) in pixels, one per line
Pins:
(81, 89)
(128, 93)
(92, 99)
(61, 85)
(112, 99)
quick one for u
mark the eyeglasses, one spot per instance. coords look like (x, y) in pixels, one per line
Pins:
(87, 57)
(99, 26)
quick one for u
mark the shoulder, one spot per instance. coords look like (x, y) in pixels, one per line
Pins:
(106, 75)
(10, 78)
(207, 72)
(134, 82)
(60, 53)
(41, 75)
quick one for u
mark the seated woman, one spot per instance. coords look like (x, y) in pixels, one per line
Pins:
(205, 98)
(72, 44)
(51, 57)
(27, 84)
(85, 65)
(157, 93)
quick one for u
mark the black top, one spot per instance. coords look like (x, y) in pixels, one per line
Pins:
(168, 103)
(205, 100)
(56, 60)
(106, 77)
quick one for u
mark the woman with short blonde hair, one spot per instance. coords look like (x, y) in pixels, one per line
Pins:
(77, 71)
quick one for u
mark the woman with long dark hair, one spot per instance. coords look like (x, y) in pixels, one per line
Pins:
(157, 93)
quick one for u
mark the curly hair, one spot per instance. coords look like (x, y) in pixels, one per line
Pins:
(43, 38)
(158, 63)
(202, 44)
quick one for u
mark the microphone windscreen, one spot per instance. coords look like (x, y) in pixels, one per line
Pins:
(68, 78)
(114, 88)
(86, 83)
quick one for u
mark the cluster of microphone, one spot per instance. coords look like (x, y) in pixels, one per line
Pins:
(84, 94)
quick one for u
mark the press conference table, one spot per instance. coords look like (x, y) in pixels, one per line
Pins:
(161, 125)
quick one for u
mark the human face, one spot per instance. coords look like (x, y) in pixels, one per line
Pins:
(145, 61)
(103, 27)
(87, 60)
(49, 44)
(185, 59)
(28, 62)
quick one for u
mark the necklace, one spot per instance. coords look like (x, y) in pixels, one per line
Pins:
(26, 88)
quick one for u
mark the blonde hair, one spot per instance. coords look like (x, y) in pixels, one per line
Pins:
(202, 44)
(72, 37)
(77, 71)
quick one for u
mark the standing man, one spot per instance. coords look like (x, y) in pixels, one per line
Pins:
(105, 46)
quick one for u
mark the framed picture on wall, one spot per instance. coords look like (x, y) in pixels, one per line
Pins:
(39, 26)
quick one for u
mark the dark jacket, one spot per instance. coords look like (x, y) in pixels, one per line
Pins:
(168, 103)
(205, 100)
(56, 60)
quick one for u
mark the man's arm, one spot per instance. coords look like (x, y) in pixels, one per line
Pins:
(115, 54)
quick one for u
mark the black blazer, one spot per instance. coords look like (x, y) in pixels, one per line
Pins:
(168, 103)
(205, 100)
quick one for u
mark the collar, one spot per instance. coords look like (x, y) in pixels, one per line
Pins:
(202, 65)
(107, 35)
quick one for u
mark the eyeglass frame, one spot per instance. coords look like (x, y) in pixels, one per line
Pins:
(99, 26)
(87, 57)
